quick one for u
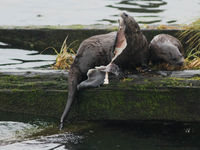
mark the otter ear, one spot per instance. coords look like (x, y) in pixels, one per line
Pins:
(120, 42)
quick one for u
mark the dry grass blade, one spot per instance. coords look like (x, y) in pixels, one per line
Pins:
(192, 64)
(50, 48)
(193, 60)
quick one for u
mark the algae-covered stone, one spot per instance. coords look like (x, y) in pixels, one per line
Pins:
(41, 37)
(140, 97)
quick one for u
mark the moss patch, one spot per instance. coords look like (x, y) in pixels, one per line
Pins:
(149, 97)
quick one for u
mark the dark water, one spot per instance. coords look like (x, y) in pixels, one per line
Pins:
(140, 136)
(104, 136)
(86, 12)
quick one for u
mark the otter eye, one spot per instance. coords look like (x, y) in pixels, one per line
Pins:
(125, 15)
(174, 59)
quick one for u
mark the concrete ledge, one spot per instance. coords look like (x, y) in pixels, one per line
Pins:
(39, 38)
(154, 96)
(139, 97)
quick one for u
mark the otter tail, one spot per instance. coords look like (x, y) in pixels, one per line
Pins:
(73, 80)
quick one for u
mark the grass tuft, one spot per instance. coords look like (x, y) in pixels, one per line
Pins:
(65, 57)
(191, 37)
(193, 60)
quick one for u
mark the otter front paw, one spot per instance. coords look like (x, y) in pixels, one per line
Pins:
(106, 80)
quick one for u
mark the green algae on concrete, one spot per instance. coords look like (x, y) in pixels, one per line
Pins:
(34, 95)
(149, 104)
(41, 37)
(147, 97)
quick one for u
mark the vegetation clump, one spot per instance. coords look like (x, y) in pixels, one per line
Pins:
(191, 36)
(193, 60)
(163, 27)
(65, 57)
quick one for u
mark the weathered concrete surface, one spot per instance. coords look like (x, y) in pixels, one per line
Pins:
(169, 96)
(39, 38)
(139, 97)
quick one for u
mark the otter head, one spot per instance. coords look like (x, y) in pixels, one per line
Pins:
(120, 42)
(112, 68)
(130, 25)
(127, 28)
(172, 55)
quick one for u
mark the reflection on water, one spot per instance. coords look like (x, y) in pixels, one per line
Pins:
(102, 136)
(140, 6)
(142, 136)
(145, 10)
(57, 142)
(86, 12)
(12, 131)
(23, 59)
(16, 133)
(158, 11)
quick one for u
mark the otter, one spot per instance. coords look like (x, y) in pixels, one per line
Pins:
(166, 48)
(128, 44)
(97, 76)
(94, 51)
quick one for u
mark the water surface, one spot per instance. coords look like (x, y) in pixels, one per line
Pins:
(16, 132)
(86, 12)
(12, 58)
(14, 129)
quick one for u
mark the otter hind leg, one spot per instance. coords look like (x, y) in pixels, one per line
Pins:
(95, 79)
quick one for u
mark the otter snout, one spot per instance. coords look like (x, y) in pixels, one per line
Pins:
(180, 63)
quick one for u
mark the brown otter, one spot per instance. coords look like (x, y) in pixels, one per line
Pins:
(166, 48)
(99, 50)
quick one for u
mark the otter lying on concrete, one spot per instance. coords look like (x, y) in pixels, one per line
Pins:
(99, 50)
(166, 48)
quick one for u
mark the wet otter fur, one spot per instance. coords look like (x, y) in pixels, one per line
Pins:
(165, 48)
(99, 50)
(136, 53)
(97, 76)
(94, 51)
